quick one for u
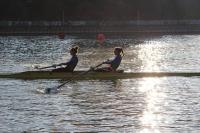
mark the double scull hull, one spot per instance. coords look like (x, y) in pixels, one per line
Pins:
(83, 75)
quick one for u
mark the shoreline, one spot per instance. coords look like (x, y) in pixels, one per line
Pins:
(94, 30)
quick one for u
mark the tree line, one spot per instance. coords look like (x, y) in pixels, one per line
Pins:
(51, 10)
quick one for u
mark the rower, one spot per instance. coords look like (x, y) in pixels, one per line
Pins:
(71, 64)
(114, 63)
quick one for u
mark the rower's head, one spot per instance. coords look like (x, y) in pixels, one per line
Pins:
(118, 51)
(74, 50)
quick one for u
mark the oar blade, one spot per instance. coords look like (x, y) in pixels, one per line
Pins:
(52, 90)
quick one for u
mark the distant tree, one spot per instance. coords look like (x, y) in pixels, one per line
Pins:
(98, 9)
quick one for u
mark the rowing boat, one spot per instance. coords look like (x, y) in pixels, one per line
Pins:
(78, 75)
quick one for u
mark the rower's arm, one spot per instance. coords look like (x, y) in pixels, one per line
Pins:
(108, 61)
(63, 64)
(67, 63)
(55, 65)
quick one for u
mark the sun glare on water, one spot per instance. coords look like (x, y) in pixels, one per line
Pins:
(151, 54)
(154, 99)
(152, 116)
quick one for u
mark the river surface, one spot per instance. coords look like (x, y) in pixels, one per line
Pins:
(143, 105)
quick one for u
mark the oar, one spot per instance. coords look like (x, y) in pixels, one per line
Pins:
(48, 90)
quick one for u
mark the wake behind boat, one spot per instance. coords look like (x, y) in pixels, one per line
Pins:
(92, 75)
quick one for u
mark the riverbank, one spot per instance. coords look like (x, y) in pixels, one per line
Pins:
(91, 28)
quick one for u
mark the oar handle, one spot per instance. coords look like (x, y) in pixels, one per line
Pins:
(92, 68)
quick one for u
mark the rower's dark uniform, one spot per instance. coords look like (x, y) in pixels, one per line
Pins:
(70, 65)
(113, 64)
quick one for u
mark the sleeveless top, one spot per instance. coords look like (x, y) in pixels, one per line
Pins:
(71, 64)
(114, 63)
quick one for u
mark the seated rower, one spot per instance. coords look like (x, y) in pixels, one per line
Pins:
(114, 63)
(71, 64)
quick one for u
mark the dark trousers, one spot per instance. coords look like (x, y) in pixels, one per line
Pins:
(62, 70)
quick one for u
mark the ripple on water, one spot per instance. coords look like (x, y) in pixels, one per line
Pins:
(168, 104)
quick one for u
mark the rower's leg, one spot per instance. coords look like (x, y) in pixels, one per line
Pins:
(103, 69)
(59, 70)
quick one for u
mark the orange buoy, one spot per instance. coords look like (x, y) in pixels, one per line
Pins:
(100, 38)
(61, 35)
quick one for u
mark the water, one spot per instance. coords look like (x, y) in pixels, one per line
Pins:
(167, 104)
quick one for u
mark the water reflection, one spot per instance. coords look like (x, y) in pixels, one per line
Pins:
(113, 106)
(151, 54)
(165, 53)
(131, 105)
(154, 97)
(23, 52)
